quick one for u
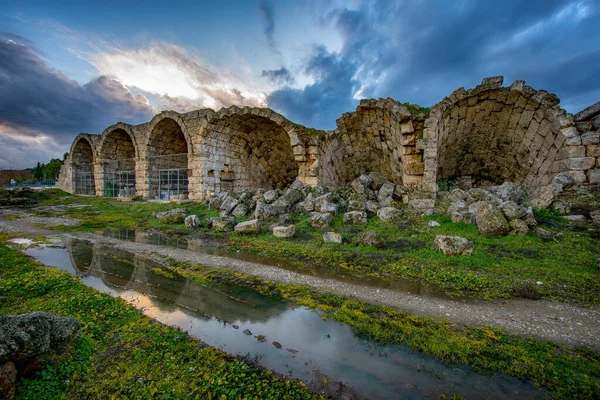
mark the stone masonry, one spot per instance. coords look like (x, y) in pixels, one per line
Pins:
(490, 133)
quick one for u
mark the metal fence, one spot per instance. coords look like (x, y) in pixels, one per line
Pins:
(45, 183)
(119, 178)
(83, 183)
(168, 178)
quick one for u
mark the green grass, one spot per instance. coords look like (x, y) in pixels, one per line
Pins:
(564, 372)
(121, 353)
(498, 268)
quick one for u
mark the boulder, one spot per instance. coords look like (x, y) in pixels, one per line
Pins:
(452, 245)
(595, 216)
(332, 237)
(356, 205)
(508, 191)
(320, 190)
(542, 197)
(370, 238)
(518, 227)
(320, 220)
(421, 204)
(372, 208)
(216, 201)
(252, 226)
(174, 216)
(228, 205)
(457, 195)
(378, 180)
(461, 216)
(386, 193)
(297, 185)
(563, 207)
(390, 214)
(240, 210)
(320, 200)
(289, 198)
(8, 381)
(223, 224)
(265, 211)
(473, 208)
(477, 194)
(285, 219)
(330, 208)
(512, 210)
(306, 205)
(192, 221)
(355, 217)
(530, 217)
(270, 196)
(32, 335)
(490, 221)
(457, 206)
(563, 179)
(362, 185)
(284, 231)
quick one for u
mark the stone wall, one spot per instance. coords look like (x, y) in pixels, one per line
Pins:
(490, 134)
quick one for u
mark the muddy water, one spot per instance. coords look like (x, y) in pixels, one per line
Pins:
(305, 268)
(293, 341)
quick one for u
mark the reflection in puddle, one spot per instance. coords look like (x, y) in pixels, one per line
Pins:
(298, 342)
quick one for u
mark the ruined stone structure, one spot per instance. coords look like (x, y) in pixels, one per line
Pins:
(490, 133)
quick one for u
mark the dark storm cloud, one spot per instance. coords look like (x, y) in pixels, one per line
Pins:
(35, 98)
(268, 14)
(422, 51)
(281, 76)
(41, 109)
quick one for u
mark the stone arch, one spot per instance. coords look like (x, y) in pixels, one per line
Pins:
(380, 136)
(493, 134)
(169, 145)
(117, 154)
(249, 148)
(82, 157)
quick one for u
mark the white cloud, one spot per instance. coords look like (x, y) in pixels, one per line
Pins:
(26, 149)
(170, 73)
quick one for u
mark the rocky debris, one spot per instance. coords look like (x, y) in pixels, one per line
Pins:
(284, 231)
(595, 216)
(265, 211)
(362, 186)
(563, 179)
(513, 210)
(370, 238)
(252, 226)
(228, 205)
(330, 208)
(216, 201)
(27, 336)
(173, 216)
(240, 210)
(322, 199)
(477, 194)
(518, 227)
(356, 205)
(457, 195)
(270, 196)
(543, 196)
(390, 214)
(386, 194)
(490, 220)
(421, 204)
(355, 217)
(372, 208)
(289, 198)
(320, 220)
(508, 191)
(563, 207)
(8, 380)
(452, 245)
(192, 221)
(332, 237)
(378, 180)
(223, 224)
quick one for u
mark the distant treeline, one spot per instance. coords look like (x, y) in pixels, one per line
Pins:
(40, 172)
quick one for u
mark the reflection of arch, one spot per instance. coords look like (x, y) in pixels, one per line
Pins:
(81, 254)
(494, 134)
(249, 148)
(114, 267)
(82, 162)
(168, 148)
(117, 152)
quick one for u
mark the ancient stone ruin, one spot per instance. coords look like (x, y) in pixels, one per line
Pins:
(489, 134)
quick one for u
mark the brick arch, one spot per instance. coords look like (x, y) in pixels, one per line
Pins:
(494, 134)
(247, 148)
(380, 136)
(118, 142)
(83, 155)
(167, 122)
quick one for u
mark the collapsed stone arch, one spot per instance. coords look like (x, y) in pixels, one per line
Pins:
(82, 157)
(494, 134)
(249, 148)
(380, 136)
(117, 155)
(167, 150)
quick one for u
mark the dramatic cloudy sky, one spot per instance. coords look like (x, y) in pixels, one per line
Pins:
(78, 66)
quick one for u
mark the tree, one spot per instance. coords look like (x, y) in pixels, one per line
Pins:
(52, 169)
(38, 171)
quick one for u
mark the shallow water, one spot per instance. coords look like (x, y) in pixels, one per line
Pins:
(395, 283)
(233, 319)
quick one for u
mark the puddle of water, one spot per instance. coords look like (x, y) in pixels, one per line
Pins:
(233, 318)
(210, 247)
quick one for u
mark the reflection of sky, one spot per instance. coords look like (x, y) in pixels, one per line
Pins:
(320, 346)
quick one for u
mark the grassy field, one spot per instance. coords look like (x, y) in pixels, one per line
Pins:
(504, 267)
(120, 352)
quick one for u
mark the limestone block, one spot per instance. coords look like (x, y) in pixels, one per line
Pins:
(332, 237)
(590, 138)
(284, 231)
(252, 226)
(355, 217)
(452, 245)
(593, 175)
(581, 163)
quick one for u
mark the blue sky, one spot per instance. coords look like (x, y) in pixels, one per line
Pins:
(79, 66)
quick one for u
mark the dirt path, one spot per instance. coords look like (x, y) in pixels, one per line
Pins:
(547, 320)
